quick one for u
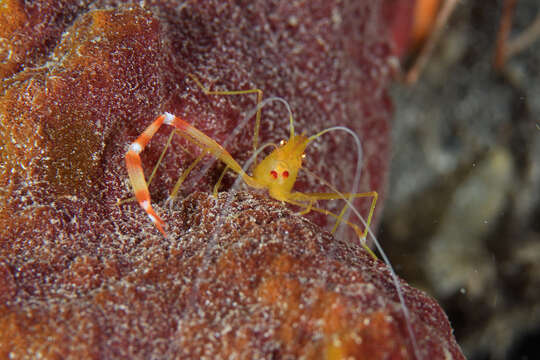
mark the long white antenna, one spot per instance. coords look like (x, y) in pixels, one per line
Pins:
(395, 279)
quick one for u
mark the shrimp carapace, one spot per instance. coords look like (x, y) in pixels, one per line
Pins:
(278, 171)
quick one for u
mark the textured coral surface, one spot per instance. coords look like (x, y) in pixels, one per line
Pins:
(83, 277)
(243, 277)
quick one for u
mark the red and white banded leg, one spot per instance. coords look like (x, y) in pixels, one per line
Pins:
(135, 170)
(134, 165)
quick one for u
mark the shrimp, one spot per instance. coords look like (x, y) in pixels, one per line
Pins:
(276, 173)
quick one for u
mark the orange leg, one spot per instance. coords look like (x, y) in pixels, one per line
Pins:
(134, 165)
(136, 174)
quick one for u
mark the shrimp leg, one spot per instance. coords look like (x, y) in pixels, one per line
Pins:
(134, 165)
(297, 198)
(334, 196)
(259, 93)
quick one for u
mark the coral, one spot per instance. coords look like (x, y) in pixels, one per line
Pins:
(242, 276)
(83, 277)
(57, 119)
(31, 29)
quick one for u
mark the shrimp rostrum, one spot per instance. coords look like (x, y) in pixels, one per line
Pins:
(277, 172)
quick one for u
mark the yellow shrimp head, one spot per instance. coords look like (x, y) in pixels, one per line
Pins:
(278, 171)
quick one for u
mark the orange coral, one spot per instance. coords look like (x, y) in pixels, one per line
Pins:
(54, 129)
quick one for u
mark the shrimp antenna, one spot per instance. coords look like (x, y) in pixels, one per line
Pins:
(393, 274)
(395, 279)
(359, 162)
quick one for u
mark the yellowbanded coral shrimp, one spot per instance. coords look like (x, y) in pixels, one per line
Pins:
(276, 173)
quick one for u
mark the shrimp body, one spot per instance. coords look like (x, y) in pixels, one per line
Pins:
(278, 171)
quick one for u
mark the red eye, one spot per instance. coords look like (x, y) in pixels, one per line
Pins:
(274, 174)
(285, 174)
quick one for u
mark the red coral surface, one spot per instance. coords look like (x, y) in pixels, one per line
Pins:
(83, 277)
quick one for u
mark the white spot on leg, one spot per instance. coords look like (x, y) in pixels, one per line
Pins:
(169, 118)
(145, 204)
(154, 220)
(135, 147)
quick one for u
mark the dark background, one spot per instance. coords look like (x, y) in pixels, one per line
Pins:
(461, 218)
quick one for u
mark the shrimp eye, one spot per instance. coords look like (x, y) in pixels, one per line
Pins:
(285, 174)
(274, 174)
